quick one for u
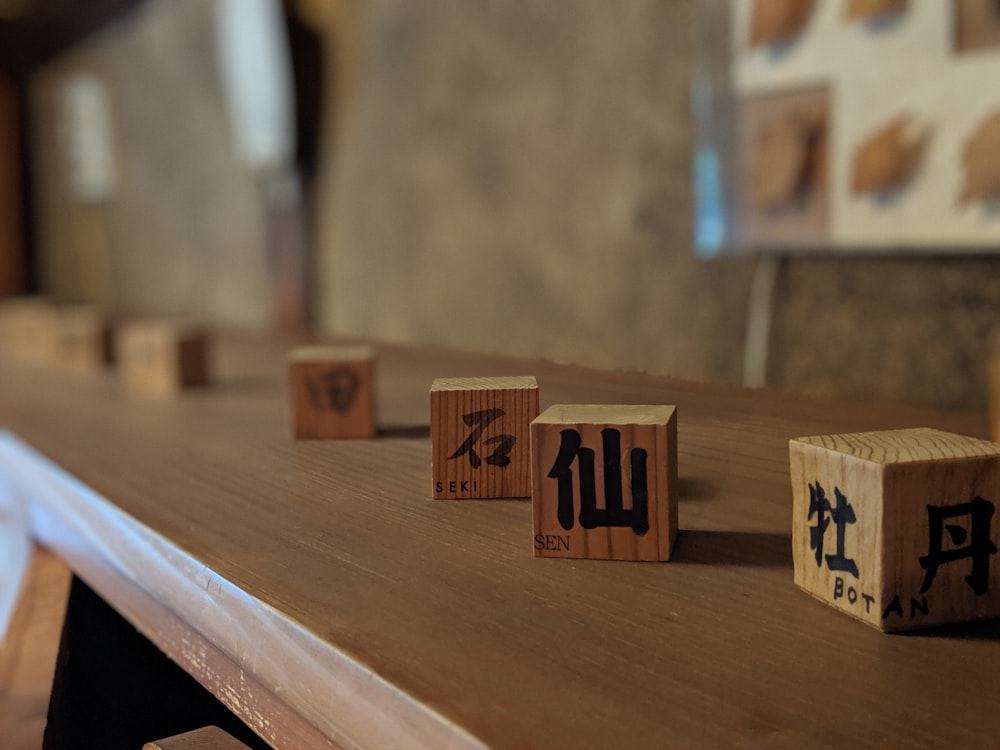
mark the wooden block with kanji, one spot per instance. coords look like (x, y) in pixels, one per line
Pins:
(332, 391)
(161, 357)
(479, 435)
(83, 338)
(604, 482)
(898, 528)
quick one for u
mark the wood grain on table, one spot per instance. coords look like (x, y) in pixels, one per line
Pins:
(28, 654)
(329, 598)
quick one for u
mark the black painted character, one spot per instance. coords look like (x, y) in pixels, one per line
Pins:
(479, 421)
(979, 548)
(613, 513)
(841, 514)
(334, 389)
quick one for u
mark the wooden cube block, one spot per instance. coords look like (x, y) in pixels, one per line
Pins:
(28, 327)
(898, 528)
(161, 357)
(479, 432)
(332, 392)
(604, 482)
(83, 338)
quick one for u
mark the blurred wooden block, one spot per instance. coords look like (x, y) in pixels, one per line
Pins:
(898, 528)
(604, 482)
(208, 738)
(83, 338)
(480, 436)
(332, 392)
(28, 328)
(161, 357)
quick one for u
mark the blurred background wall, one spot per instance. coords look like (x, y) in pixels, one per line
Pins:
(182, 229)
(506, 176)
(515, 177)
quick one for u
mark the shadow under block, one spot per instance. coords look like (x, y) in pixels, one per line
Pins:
(161, 358)
(479, 432)
(332, 390)
(207, 738)
(604, 482)
(898, 528)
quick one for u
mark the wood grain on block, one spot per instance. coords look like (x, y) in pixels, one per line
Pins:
(480, 436)
(162, 357)
(870, 10)
(83, 338)
(889, 158)
(898, 528)
(604, 482)
(981, 161)
(332, 390)
(28, 329)
(207, 738)
(775, 21)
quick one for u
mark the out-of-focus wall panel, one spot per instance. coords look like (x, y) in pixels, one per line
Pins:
(514, 177)
(184, 229)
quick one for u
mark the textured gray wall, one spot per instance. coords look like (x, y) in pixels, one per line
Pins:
(184, 231)
(514, 177)
(908, 329)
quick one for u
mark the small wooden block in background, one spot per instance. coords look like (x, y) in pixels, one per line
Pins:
(160, 357)
(332, 391)
(28, 328)
(604, 482)
(480, 436)
(208, 738)
(898, 528)
(83, 338)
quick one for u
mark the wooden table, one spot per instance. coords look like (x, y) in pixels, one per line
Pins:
(318, 591)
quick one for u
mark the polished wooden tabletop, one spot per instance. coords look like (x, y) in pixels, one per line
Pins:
(320, 592)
